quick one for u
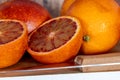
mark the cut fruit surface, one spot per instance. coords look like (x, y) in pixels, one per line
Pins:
(56, 40)
(13, 41)
(53, 35)
(9, 31)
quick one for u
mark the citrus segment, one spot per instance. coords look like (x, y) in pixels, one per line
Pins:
(56, 40)
(13, 41)
(9, 31)
(52, 35)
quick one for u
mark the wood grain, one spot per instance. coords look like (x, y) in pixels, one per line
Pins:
(99, 63)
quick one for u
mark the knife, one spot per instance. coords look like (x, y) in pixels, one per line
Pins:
(97, 63)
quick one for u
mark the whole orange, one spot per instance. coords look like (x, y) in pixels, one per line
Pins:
(33, 14)
(100, 22)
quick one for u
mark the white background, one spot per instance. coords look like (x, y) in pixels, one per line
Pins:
(75, 76)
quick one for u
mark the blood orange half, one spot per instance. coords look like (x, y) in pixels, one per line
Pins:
(56, 40)
(13, 41)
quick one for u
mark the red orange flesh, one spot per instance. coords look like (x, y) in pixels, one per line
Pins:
(13, 41)
(56, 40)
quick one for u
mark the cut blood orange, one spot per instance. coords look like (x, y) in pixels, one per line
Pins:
(56, 40)
(13, 41)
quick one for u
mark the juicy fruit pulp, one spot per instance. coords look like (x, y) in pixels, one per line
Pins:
(52, 35)
(13, 41)
(56, 40)
(9, 31)
(28, 11)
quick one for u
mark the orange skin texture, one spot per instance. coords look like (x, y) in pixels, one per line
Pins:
(12, 52)
(27, 11)
(65, 6)
(100, 22)
(64, 52)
